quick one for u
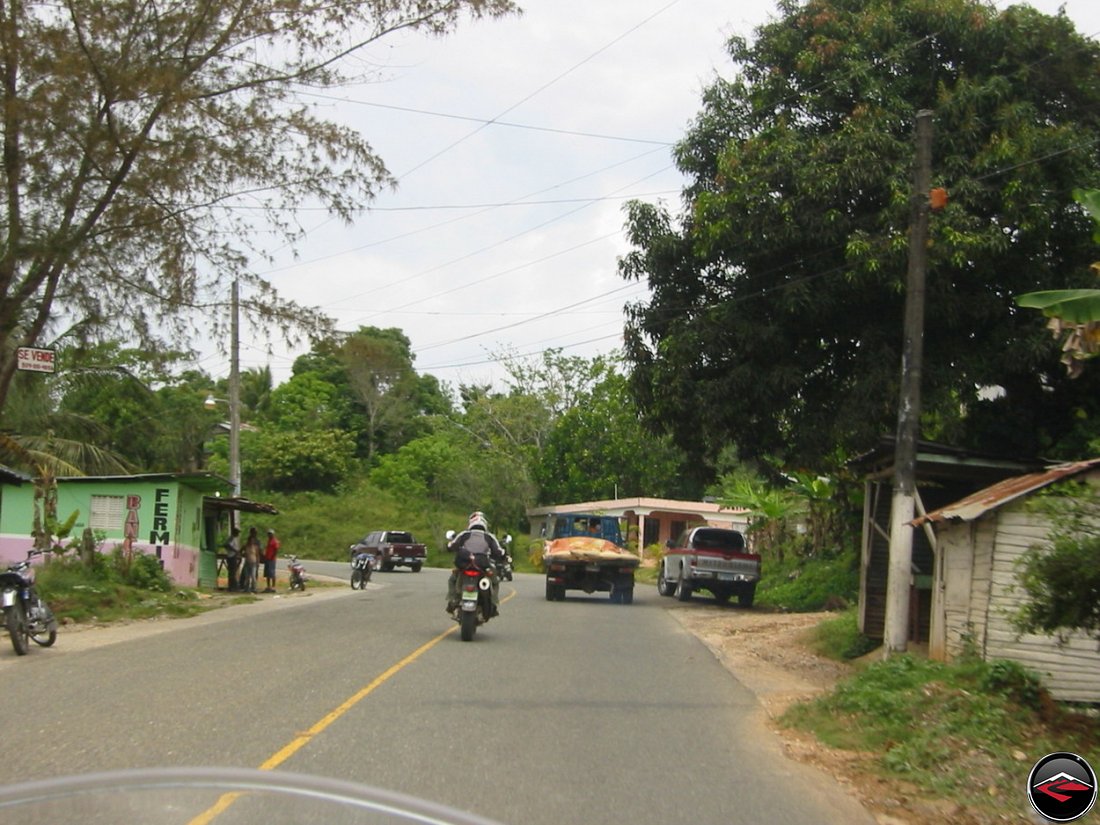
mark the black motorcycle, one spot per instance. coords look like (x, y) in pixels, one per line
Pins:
(475, 586)
(361, 568)
(26, 616)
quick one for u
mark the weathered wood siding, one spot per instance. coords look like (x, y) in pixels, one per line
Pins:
(1070, 667)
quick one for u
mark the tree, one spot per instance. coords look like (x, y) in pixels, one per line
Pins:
(141, 140)
(1074, 313)
(777, 296)
(382, 382)
(599, 449)
(1061, 578)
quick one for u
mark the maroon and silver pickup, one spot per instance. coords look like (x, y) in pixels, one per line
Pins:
(392, 548)
(709, 558)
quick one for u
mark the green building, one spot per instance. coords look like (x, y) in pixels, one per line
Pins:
(181, 518)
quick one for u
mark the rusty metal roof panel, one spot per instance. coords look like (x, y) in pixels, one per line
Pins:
(999, 494)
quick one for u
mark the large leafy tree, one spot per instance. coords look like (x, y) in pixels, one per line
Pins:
(775, 320)
(141, 140)
(384, 386)
(599, 449)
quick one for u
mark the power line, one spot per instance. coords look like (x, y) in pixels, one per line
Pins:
(493, 121)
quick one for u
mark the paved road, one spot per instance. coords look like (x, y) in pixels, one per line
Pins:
(557, 712)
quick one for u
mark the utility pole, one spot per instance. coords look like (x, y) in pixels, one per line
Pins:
(902, 507)
(235, 400)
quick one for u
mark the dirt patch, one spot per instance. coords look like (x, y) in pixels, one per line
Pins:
(769, 654)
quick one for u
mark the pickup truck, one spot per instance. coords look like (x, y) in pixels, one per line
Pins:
(584, 551)
(709, 558)
(392, 548)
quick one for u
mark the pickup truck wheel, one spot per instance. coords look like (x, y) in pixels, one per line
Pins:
(616, 596)
(683, 589)
(551, 592)
(415, 568)
(746, 596)
(627, 596)
(664, 586)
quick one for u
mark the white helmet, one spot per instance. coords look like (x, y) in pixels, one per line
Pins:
(477, 521)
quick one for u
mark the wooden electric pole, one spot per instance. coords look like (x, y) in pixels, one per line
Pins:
(235, 401)
(902, 508)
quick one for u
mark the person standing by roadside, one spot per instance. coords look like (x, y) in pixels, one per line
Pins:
(251, 560)
(233, 558)
(271, 552)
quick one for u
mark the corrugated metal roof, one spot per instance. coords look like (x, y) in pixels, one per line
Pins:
(992, 497)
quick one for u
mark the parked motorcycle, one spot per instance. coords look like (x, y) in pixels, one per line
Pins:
(26, 616)
(298, 577)
(362, 566)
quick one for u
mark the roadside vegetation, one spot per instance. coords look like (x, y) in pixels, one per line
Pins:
(113, 588)
(968, 731)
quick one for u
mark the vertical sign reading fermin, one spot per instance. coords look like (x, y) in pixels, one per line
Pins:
(160, 534)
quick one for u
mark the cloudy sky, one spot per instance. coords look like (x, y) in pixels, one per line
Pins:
(515, 143)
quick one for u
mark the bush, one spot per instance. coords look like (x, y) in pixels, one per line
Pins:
(802, 585)
(1014, 682)
(112, 586)
(839, 638)
(141, 570)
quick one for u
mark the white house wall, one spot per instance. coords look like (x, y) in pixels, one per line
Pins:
(1071, 667)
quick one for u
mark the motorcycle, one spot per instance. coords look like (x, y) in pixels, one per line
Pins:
(475, 593)
(362, 566)
(475, 605)
(298, 577)
(506, 565)
(26, 616)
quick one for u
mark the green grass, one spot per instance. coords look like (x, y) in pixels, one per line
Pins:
(112, 589)
(940, 726)
(322, 526)
(839, 637)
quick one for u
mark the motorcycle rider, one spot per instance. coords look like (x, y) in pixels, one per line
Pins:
(473, 541)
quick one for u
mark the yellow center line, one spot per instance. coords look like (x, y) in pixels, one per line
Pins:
(303, 739)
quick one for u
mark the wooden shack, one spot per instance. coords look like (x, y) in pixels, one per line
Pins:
(979, 540)
(943, 474)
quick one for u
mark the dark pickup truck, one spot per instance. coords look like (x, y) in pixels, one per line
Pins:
(709, 558)
(392, 548)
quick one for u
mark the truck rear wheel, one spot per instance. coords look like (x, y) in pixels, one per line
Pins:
(683, 588)
(746, 596)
